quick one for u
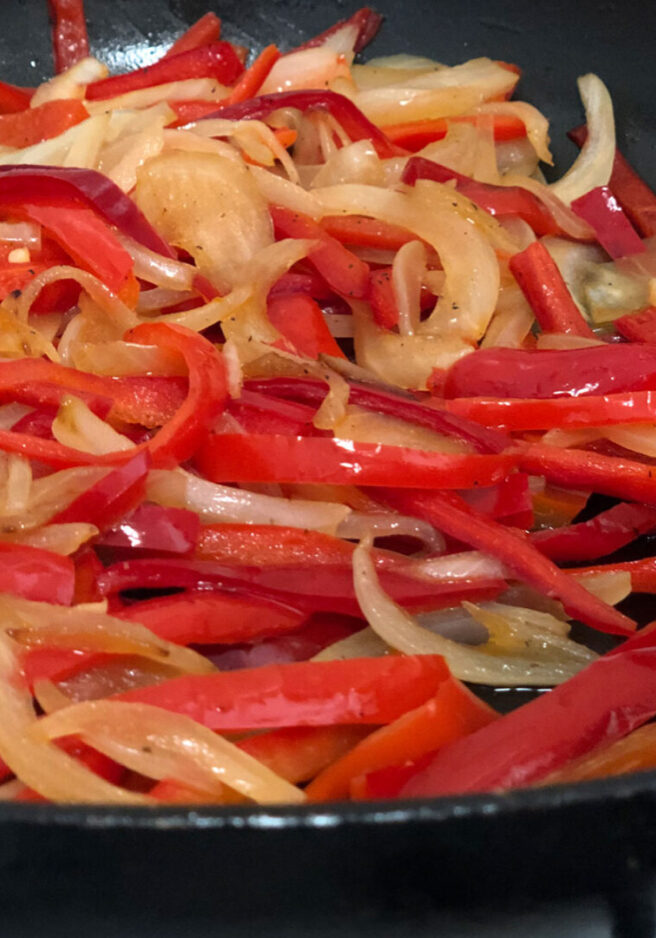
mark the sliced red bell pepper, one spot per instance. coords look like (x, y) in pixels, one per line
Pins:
(36, 574)
(299, 753)
(329, 589)
(254, 77)
(366, 232)
(415, 135)
(70, 41)
(497, 200)
(87, 238)
(60, 185)
(307, 281)
(509, 501)
(14, 99)
(24, 128)
(55, 297)
(354, 122)
(382, 299)
(509, 372)
(596, 472)
(567, 412)
(117, 493)
(257, 413)
(365, 20)
(171, 791)
(643, 574)
(548, 296)
(638, 327)
(450, 514)
(632, 193)
(342, 270)
(602, 535)
(308, 693)
(604, 214)
(156, 529)
(217, 60)
(392, 404)
(602, 703)
(452, 713)
(234, 457)
(204, 31)
(300, 320)
(87, 570)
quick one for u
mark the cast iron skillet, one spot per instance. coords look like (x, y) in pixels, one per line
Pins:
(563, 861)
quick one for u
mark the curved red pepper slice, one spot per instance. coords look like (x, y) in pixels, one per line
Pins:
(300, 321)
(111, 497)
(156, 529)
(36, 574)
(24, 128)
(365, 20)
(70, 41)
(307, 693)
(602, 535)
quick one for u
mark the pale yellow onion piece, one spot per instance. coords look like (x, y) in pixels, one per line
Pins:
(457, 149)
(519, 230)
(391, 70)
(564, 439)
(159, 298)
(463, 565)
(180, 139)
(78, 427)
(54, 492)
(512, 320)
(537, 125)
(62, 539)
(362, 644)
(12, 413)
(222, 503)
(516, 156)
(594, 163)
(485, 153)
(340, 326)
(41, 766)
(255, 138)
(535, 618)
(50, 152)
(18, 339)
(9, 790)
(49, 697)
(401, 631)
(15, 483)
(308, 68)
(401, 361)
(327, 128)
(407, 274)
(189, 89)
(217, 310)
(571, 224)
(639, 437)
(357, 162)
(72, 627)
(611, 587)
(23, 233)
(234, 374)
(71, 82)
(123, 317)
(210, 207)
(117, 358)
(131, 139)
(160, 744)
(279, 191)
(364, 426)
(360, 524)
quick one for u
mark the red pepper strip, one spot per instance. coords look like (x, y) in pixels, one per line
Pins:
(351, 118)
(548, 296)
(602, 535)
(365, 20)
(632, 193)
(597, 370)
(600, 704)
(111, 497)
(450, 514)
(87, 570)
(307, 693)
(154, 528)
(510, 501)
(14, 99)
(55, 297)
(257, 413)
(201, 33)
(330, 589)
(61, 185)
(234, 457)
(638, 327)
(88, 239)
(366, 232)
(341, 269)
(382, 299)
(643, 574)
(415, 135)
(453, 712)
(217, 61)
(33, 125)
(497, 200)
(569, 412)
(300, 320)
(386, 402)
(36, 574)
(299, 753)
(306, 282)
(614, 231)
(179, 437)
(585, 469)
(70, 41)
(171, 791)
(254, 77)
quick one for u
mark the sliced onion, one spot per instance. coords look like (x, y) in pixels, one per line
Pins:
(160, 744)
(364, 426)
(361, 524)
(316, 67)
(21, 232)
(17, 338)
(86, 144)
(119, 313)
(279, 191)
(36, 623)
(15, 483)
(407, 275)
(12, 413)
(400, 631)
(222, 503)
(362, 644)
(78, 427)
(71, 82)
(594, 163)
(611, 587)
(512, 320)
(43, 767)
(62, 539)
(537, 126)
(255, 138)
(188, 89)
(356, 162)
(462, 566)
(139, 141)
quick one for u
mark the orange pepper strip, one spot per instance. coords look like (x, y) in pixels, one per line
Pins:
(201, 33)
(633, 753)
(254, 77)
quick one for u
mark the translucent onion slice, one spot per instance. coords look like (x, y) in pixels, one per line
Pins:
(356, 162)
(123, 317)
(279, 191)
(360, 524)
(481, 664)
(155, 268)
(611, 587)
(512, 320)
(37, 623)
(537, 125)
(62, 539)
(78, 427)
(15, 483)
(316, 67)
(159, 744)
(255, 138)
(364, 426)
(71, 82)
(188, 89)
(17, 338)
(407, 275)
(43, 767)
(222, 503)
(139, 141)
(594, 163)
(210, 207)
(25, 233)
